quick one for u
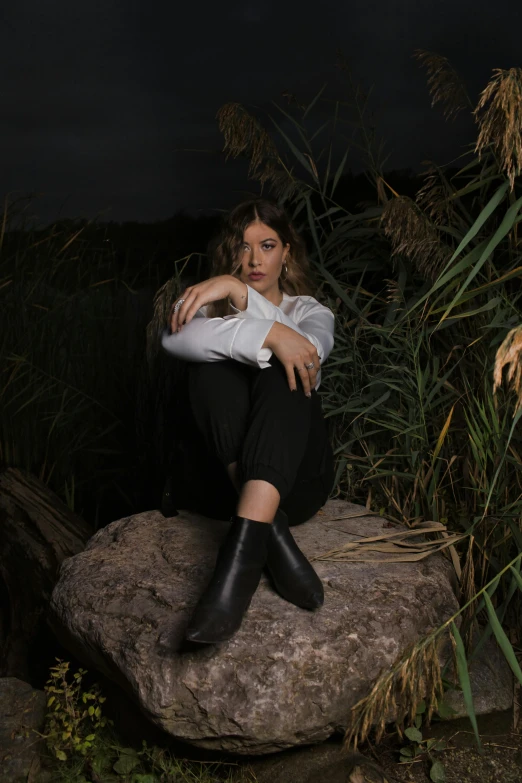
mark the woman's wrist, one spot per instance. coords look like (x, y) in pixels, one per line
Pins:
(238, 293)
(274, 335)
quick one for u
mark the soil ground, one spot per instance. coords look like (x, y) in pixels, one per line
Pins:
(500, 762)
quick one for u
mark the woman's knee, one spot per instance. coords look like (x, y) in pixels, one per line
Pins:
(272, 392)
(216, 381)
(213, 372)
(220, 404)
(274, 380)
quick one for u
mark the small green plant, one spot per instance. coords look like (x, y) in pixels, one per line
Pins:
(114, 763)
(75, 716)
(420, 746)
(85, 746)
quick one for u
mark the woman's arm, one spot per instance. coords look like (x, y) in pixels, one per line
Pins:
(193, 298)
(252, 335)
(216, 339)
(317, 325)
(312, 319)
(298, 355)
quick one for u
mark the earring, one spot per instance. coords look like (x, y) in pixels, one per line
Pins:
(285, 268)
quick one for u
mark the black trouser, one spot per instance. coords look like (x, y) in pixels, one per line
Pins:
(249, 416)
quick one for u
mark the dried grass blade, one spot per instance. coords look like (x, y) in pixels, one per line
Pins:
(354, 516)
(389, 546)
(401, 534)
(456, 561)
(443, 433)
(71, 240)
(400, 557)
(420, 530)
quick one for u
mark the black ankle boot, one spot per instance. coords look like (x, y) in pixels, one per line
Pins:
(291, 573)
(239, 565)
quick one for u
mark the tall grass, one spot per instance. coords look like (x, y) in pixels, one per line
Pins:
(72, 343)
(424, 289)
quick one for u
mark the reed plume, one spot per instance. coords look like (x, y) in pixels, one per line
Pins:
(499, 116)
(510, 355)
(160, 316)
(467, 591)
(414, 236)
(435, 197)
(415, 676)
(444, 83)
(244, 135)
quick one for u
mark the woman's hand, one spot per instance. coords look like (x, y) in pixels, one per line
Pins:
(211, 290)
(294, 352)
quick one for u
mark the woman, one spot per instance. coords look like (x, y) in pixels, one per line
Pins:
(256, 341)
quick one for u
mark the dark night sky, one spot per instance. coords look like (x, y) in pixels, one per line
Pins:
(100, 99)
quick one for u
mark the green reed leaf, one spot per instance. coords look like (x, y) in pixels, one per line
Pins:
(465, 684)
(517, 576)
(502, 639)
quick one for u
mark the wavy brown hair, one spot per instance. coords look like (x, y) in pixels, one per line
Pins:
(225, 250)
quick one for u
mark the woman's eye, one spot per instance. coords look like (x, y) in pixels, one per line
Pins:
(268, 247)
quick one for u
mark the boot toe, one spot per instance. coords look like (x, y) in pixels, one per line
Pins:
(306, 599)
(212, 628)
(316, 600)
(207, 636)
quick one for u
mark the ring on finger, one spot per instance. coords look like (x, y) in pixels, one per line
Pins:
(177, 305)
(310, 366)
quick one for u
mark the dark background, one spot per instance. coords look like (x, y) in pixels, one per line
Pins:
(108, 108)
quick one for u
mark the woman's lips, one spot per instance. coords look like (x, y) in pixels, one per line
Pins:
(256, 275)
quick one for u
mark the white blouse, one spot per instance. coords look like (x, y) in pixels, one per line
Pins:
(241, 336)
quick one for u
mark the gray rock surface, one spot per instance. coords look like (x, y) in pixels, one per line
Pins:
(289, 677)
(22, 709)
(491, 684)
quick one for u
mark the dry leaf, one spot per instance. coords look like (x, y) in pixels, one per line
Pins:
(397, 546)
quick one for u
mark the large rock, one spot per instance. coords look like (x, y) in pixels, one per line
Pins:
(289, 677)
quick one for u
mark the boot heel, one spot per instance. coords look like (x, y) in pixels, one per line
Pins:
(292, 575)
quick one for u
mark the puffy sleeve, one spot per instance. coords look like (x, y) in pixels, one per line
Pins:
(309, 318)
(216, 339)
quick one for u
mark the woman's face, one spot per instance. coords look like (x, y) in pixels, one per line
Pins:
(262, 258)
